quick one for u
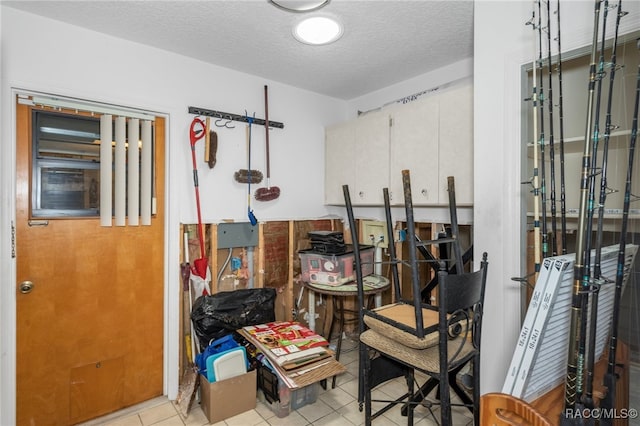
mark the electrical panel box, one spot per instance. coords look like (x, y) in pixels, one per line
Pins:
(237, 234)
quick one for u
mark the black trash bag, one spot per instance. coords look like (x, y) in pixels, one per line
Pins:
(222, 313)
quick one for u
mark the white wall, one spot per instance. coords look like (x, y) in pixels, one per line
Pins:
(449, 75)
(502, 44)
(497, 187)
(44, 55)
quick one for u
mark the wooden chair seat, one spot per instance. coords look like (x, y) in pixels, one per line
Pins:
(423, 359)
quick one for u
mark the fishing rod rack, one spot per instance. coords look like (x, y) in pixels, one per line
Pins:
(233, 117)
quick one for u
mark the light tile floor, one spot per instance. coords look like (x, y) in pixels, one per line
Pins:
(333, 407)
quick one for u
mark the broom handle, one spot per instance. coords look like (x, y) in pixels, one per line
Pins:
(207, 139)
(266, 129)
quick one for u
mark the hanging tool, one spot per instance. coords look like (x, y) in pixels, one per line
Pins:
(200, 274)
(250, 174)
(247, 175)
(210, 145)
(270, 192)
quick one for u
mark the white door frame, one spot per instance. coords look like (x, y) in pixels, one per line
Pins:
(8, 336)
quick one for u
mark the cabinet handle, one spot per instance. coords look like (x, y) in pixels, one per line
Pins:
(424, 193)
(361, 194)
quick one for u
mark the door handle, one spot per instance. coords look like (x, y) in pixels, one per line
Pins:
(26, 287)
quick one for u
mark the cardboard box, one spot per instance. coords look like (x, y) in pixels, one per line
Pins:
(227, 398)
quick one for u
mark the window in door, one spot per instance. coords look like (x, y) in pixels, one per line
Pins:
(66, 165)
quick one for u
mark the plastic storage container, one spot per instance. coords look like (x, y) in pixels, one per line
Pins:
(279, 398)
(334, 269)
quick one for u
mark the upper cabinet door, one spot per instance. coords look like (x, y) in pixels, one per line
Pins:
(372, 158)
(357, 154)
(340, 150)
(456, 144)
(414, 147)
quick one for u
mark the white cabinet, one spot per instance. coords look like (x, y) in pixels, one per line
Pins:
(415, 148)
(356, 154)
(340, 150)
(431, 137)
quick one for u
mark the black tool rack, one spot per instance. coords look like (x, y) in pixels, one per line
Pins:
(235, 117)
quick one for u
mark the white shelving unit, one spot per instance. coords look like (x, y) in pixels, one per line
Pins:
(575, 74)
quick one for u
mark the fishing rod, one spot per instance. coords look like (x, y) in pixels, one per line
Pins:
(574, 361)
(563, 198)
(588, 348)
(535, 180)
(604, 188)
(552, 164)
(543, 190)
(610, 376)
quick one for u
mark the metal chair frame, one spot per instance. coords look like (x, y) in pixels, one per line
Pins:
(468, 301)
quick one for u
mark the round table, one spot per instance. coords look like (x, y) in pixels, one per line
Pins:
(372, 285)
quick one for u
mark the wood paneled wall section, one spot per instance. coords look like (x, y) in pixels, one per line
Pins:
(275, 264)
(275, 246)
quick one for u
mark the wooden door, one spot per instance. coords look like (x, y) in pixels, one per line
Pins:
(90, 332)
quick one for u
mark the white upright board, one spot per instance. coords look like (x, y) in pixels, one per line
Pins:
(527, 324)
(558, 269)
(542, 363)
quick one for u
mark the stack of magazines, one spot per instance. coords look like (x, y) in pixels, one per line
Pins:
(288, 344)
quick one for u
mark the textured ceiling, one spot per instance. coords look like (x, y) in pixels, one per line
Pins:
(384, 42)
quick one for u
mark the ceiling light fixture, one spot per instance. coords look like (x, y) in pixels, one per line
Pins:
(299, 6)
(318, 30)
